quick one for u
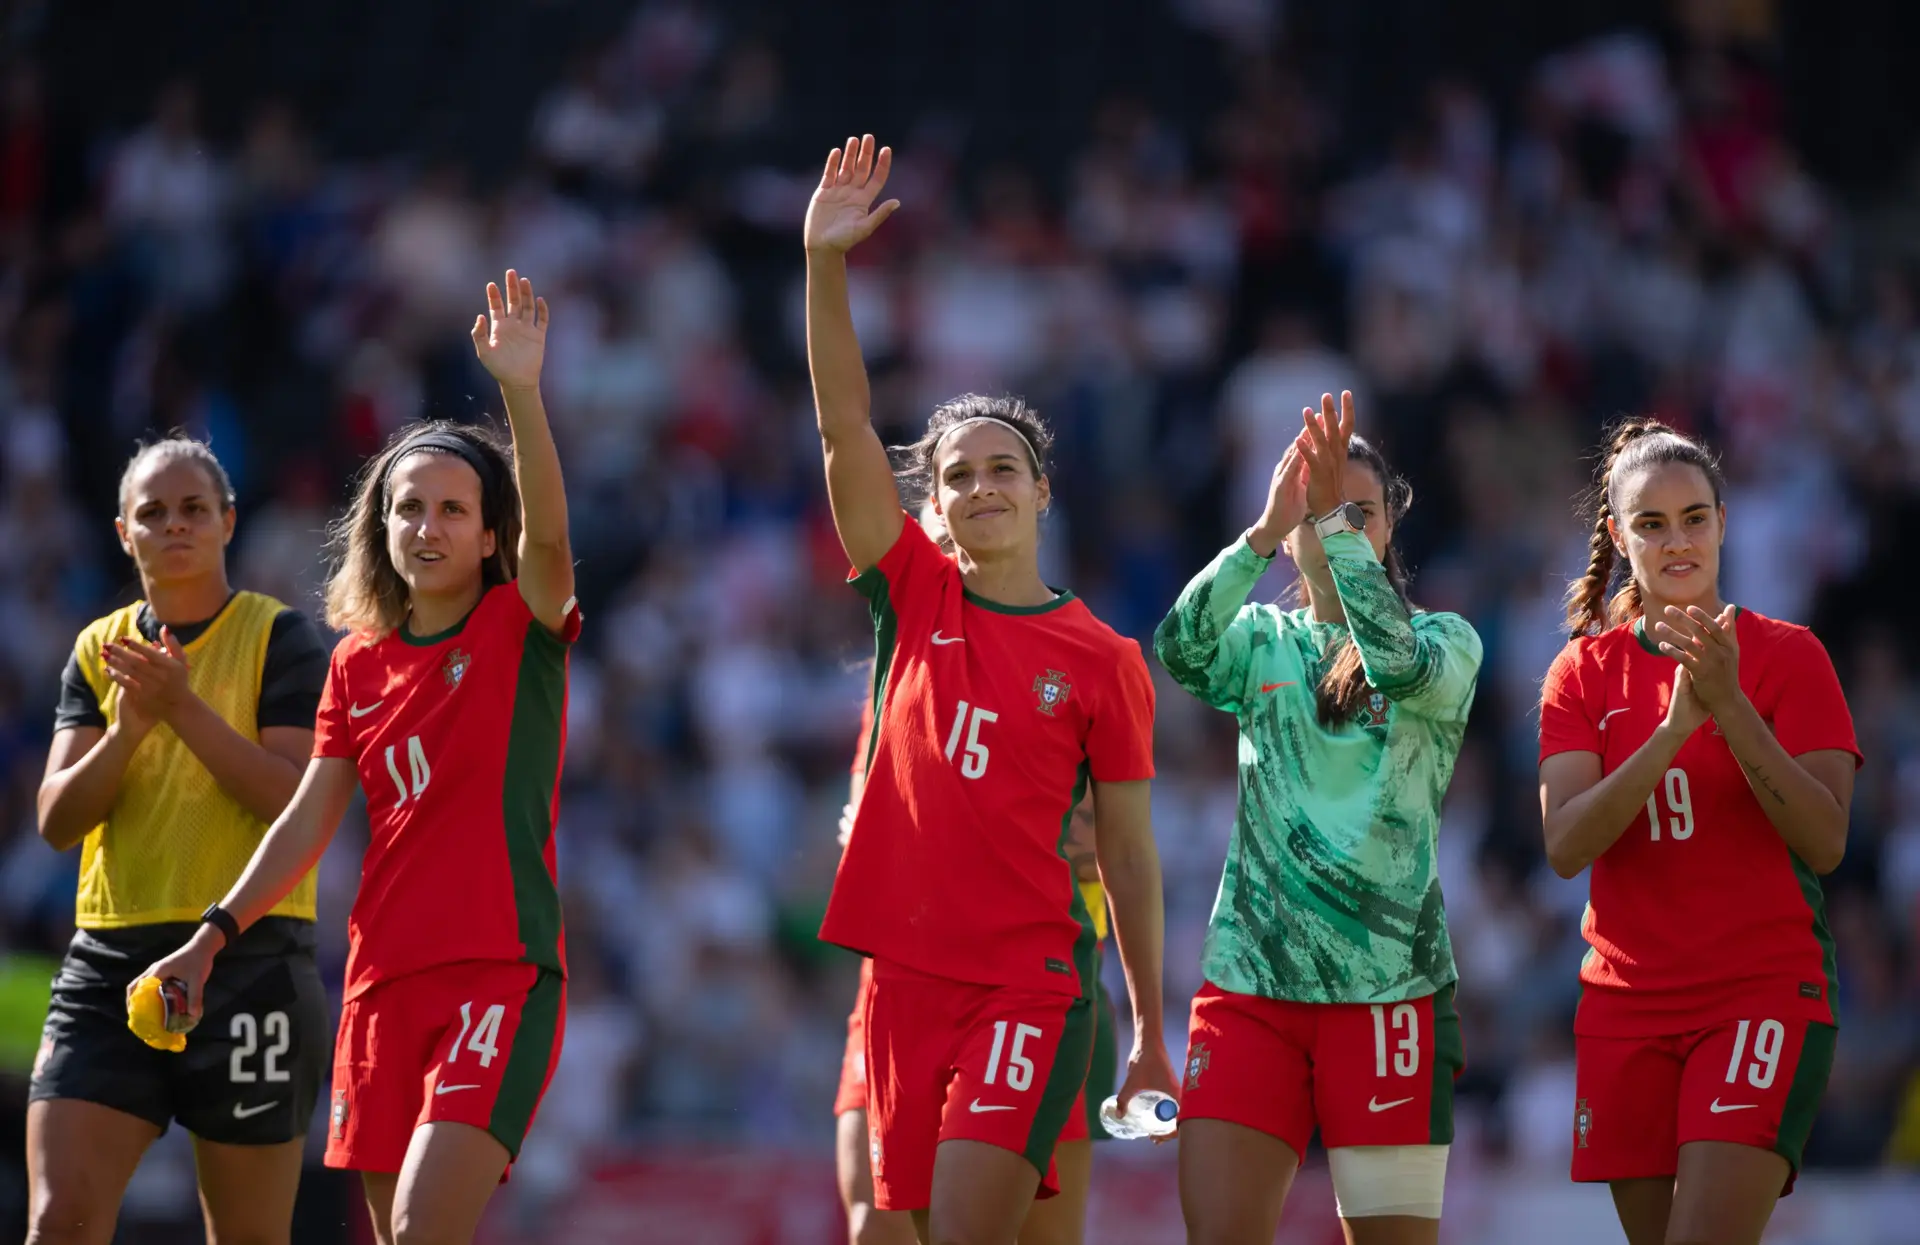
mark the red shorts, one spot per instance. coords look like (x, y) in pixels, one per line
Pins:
(471, 1043)
(1754, 1082)
(853, 1064)
(955, 1061)
(1378, 1074)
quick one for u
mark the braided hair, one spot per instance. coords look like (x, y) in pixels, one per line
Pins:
(1633, 444)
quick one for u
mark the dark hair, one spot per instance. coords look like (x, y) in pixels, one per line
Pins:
(365, 591)
(1343, 689)
(1632, 445)
(916, 475)
(177, 446)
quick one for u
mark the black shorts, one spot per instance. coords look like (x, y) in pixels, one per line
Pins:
(252, 1067)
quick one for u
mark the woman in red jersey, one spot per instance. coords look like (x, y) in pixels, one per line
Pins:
(998, 700)
(446, 704)
(1701, 759)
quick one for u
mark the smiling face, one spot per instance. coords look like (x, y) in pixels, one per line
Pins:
(435, 535)
(987, 492)
(175, 524)
(1669, 528)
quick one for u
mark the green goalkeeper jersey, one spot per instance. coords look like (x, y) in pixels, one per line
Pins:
(1331, 892)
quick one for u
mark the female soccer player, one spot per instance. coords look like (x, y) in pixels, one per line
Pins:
(998, 699)
(1701, 759)
(447, 705)
(1329, 974)
(183, 724)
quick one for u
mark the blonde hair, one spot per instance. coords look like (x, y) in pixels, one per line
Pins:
(365, 591)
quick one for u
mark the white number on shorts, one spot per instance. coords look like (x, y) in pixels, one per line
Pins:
(486, 1035)
(974, 763)
(245, 1031)
(1019, 1067)
(1679, 801)
(1768, 1038)
(1406, 1058)
(417, 769)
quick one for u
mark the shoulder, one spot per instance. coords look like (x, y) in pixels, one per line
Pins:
(94, 635)
(1450, 628)
(1779, 644)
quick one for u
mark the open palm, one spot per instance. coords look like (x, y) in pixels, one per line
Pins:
(842, 214)
(511, 339)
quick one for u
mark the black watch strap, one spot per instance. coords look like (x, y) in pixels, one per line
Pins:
(223, 921)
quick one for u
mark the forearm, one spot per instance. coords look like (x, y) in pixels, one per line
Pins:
(258, 780)
(1190, 640)
(1801, 808)
(1131, 874)
(294, 843)
(1579, 831)
(1322, 594)
(536, 465)
(1376, 618)
(842, 398)
(75, 800)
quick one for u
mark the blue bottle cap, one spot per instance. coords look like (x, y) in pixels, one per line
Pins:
(1166, 1109)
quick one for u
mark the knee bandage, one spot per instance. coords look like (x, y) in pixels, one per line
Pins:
(1388, 1180)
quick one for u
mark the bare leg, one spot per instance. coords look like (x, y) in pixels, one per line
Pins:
(1062, 1220)
(247, 1192)
(1234, 1182)
(1644, 1206)
(980, 1194)
(1724, 1193)
(80, 1156)
(449, 1176)
(866, 1223)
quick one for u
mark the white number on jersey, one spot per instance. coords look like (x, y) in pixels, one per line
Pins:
(1768, 1038)
(245, 1032)
(1019, 1067)
(1679, 804)
(974, 763)
(486, 1035)
(417, 767)
(1406, 1058)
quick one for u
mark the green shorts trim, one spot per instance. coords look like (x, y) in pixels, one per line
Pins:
(1103, 1074)
(1065, 1079)
(1449, 1057)
(1803, 1098)
(536, 1048)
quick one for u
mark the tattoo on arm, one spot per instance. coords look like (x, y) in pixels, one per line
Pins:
(1760, 780)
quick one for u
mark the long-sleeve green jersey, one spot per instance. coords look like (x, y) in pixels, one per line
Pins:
(1331, 892)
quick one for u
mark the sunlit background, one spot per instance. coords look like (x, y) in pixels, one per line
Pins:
(1168, 225)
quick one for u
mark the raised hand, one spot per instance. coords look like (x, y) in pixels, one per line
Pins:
(511, 339)
(1326, 435)
(842, 214)
(1708, 650)
(152, 679)
(1286, 503)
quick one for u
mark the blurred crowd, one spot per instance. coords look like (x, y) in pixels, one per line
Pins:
(1634, 234)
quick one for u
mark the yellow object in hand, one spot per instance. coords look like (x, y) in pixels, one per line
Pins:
(147, 1017)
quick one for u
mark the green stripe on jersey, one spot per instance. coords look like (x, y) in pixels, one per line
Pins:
(886, 629)
(1331, 891)
(1816, 897)
(1086, 944)
(526, 798)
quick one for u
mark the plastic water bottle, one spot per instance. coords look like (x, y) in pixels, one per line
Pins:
(1150, 1114)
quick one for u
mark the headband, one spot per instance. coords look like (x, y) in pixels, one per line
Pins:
(466, 451)
(1033, 455)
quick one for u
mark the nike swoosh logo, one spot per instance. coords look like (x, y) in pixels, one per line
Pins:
(977, 1109)
(1609, 713)
(1269, 687)
(359, 711)
(1717, 1109)
(948, 639)
(247, 1113)
(1374, 1104)
(448, 1089)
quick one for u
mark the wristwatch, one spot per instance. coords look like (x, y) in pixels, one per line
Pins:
(1346, 517)
(223, 921)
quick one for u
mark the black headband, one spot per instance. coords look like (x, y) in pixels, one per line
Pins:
(451, 443)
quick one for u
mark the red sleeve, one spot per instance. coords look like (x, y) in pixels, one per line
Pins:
(520, 613)
(908, 574)
(332, 734)
(1810, 711)
(1120, 737)
(1566, 721)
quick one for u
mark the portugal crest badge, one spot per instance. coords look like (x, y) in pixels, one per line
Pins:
(1375, 714)
(1582, 1122)
(1051, 690)
(1197, 1060)
(456, 667)
(339, 1114)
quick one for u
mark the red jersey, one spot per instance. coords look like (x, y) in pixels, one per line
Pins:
(458, 738)
(990, 720)
(1699, 909)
